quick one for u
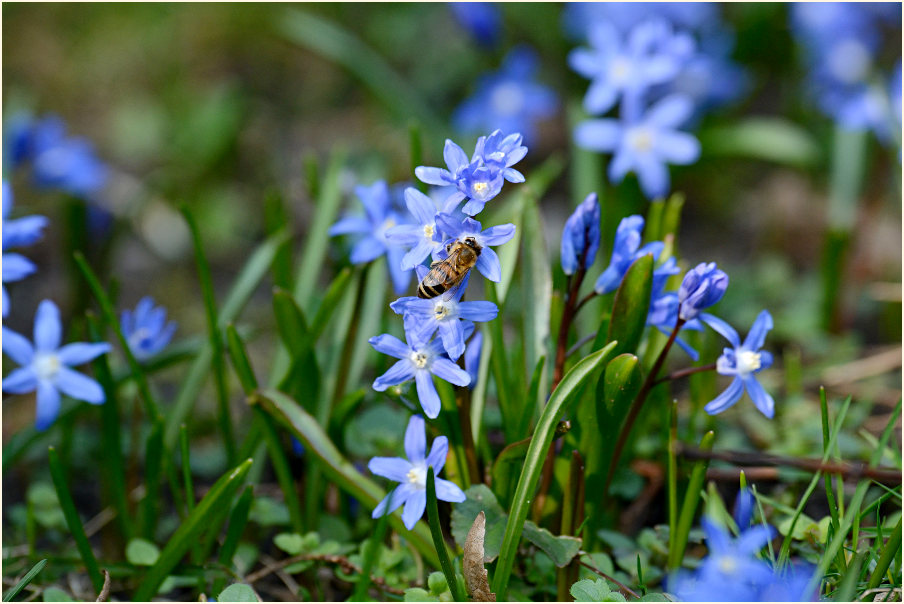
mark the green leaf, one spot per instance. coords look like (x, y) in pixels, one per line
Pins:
(303, 375)
(291, 543)
(654, 598)
(249, 278)
(55, 594)
(480, 499)
(142, 552)
(583, 372)
(689, 506)
(338, 469)
(439, 541)
(73, 521)
(238, 592)
(561, 550)
(240, 362)
(768, 138)
(219, 495)
(594, 590)
(238, 518)
(24, 581)
(631, 306)
(537, 284)
(416, 594)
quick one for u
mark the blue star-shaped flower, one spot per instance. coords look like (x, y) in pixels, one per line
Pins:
(487, 262)
(645, 143)
(743, 362)
(418, 360)
(625, 251)
(702, 286)
(412, 474)
(46, 367)
(146, 329)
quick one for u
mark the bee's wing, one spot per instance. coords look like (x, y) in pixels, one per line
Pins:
(443, 272)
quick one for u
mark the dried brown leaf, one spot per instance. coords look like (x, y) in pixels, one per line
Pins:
(472, 563)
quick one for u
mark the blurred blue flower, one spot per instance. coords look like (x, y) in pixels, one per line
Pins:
(480, 179)
(19, 231)
(487, 261)
(15, 268)
(627, 66)
(644, 143)
(579, 17)
(472, 357)
(625, 250)
(418, 359)
(742, 362)
(702, 286)
(422, 237)
(45, 366)
(482, 20)
(663, 313)
(444, 313)
(371, 228)
(146, 329)
(412, 474)
(508, 99)
(581, 236)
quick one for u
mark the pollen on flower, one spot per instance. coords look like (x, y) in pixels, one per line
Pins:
(748, 361)
(479, 189)
(419, 359)
(46, 365)
(440, 311)
(429, 230)
(640, 139)
(620, 69)
(417, 476)
(728, 565)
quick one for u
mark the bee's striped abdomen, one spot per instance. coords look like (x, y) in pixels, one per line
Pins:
(436, 281)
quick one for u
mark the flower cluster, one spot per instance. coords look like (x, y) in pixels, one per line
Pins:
(437, 329)
(733, 573)
(842, 43)
(58, 161)
(509, 98)
(146, 329)
(661, 65)
(701, 287)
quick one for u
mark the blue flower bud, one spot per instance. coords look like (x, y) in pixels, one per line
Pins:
(581, 236)
(703, 286)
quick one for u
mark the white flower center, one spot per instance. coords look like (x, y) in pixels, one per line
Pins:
(748, 362)
(419, 359)
(641, 139)
(507, 99)
(46, 365)
(728, 565)
(417, 475)
(443, 310)
(429, 230)
(849, 62)
(620, 70)
(479, 189)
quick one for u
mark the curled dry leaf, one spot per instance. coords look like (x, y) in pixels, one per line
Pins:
(472, 562)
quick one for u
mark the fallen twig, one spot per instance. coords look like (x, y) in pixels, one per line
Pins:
(347, 567)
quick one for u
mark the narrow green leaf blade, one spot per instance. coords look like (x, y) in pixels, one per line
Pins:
(631, 305)
(188, 532)
(582, 373)
(24, 581)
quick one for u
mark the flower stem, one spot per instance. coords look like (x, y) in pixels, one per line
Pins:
(634, 411)
(684, 373)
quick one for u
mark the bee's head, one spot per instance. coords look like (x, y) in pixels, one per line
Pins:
(472, 243)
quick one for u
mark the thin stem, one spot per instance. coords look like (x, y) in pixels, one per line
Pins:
(638, 402)
(463, 402)
(684, 373)
(594, 569)
(574, 285)
(577, 345)
(585, 300)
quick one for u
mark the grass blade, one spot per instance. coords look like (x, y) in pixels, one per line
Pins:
(24, 581)
(338, 469)
(224, 417)
(891, 549)
(583, 372)
(73, 521)
(439, 543)
(689, 507)
(187, 534)
(249, 278)
(238, 518)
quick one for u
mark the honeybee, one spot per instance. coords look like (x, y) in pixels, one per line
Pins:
(446, 274)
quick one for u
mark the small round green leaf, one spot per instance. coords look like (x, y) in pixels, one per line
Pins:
(238, 592)
(291, 543)
(142, 552)
(55, 594)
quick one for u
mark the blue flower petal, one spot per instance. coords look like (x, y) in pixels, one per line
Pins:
(762, 399)
(17, 347)
(393, 468)
(414, 508)
(454, 156)
(473, 207)
(369, 248)
(434, 176)
(438, 453)
(426, 393)
(449, 371)
(400, 372)
(722, 328)
(81, 352)
(478, 310)
(48, 330)
(391, 345)
(488, 265)
(497, 235)
(48, 405)
(729, 397)
(20, 381)
(78, 386)
(395, 499)
(757, 336)
(416, 439)
(449, 491)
